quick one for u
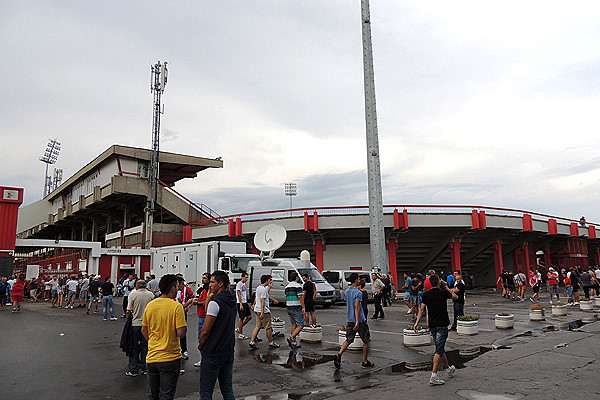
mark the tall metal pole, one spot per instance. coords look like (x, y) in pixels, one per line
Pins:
(377, 240)
(157, 86)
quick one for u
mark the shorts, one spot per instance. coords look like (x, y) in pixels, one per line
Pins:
(83, 294)
(296, 317)
(406, 296)
(521, 287)
(3, 300)
(511, 288)
(363, 332)
(536, 288)
(439, 337)
(94, 297)
(569, 292)
(309, 306)
(18, 298)
(265, 322)
(414, 300)
(553, 290)
(72, 295)
(54, 294)
(245, 312)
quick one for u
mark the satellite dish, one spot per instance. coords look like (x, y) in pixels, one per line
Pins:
(270, 238)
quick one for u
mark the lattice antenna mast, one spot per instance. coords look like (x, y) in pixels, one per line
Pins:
(158, 81)
(377, 240)
(50, 156)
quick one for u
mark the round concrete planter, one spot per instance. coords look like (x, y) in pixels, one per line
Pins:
(536, 315)
(597, 301)
(278, 327)
(356, 345)
(504, 321)
(311, 334)
(588, 319)
(586, 305)
(419, 338)
(467, 327)
(559, 310)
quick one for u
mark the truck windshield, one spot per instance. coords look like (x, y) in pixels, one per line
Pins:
(314, 274)
(240, 264)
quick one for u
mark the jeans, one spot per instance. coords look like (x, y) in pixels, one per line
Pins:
(162, 379)
(459, 311)
(213, 368)
(108, 301)
(200, 325)
(439, 337)
(137, 360)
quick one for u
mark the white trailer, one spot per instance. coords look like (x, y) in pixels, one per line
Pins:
(194, 259)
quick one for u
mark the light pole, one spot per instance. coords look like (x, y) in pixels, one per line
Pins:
(50, 156)
(291, 189)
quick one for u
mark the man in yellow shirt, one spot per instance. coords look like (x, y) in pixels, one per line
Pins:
(162, 325)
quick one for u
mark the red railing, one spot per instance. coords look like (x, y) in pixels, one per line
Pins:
(362, 210)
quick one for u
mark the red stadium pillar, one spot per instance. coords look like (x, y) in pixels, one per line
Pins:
(391, 247)
(319, 248)
(455, 254)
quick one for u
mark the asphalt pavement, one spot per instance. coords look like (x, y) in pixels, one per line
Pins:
(48, 353)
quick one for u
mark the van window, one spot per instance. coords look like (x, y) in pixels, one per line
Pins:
(365, 276)
(331, 276)
(277, 274)
(290, 274)
(314, 274)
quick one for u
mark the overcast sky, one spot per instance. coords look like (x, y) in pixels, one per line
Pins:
(487, 103)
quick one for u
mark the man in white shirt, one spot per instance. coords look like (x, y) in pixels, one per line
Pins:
(128, 286)
(83, 291)
(241, 299)
(72, 288)
(263, 312)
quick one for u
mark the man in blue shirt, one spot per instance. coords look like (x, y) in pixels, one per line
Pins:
(356, 323)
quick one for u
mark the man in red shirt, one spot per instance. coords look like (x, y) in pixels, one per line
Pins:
(553, 283)
(427, 285)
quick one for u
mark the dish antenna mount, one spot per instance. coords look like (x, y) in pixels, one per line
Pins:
(269, 238)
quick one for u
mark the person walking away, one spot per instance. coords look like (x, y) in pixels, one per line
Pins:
(552, 276)
(62, 289)
(71, 292)
(310, 293)
(521, 281)
(136, 304)
(365, 297)
(585, 278)
(217, 340)
(163, 324)
(415, 287)
(503, 278)
(450, 280)
(436, 300)
(534, 281)
(54, 284)
(108, 289)
(294, 301)
(426, 283)
(459, 302)
(510, 283)
(377, 288)
(153, 285)
(262, 313)
(127, 286)
(568, 289)
(241, 297)
(204, 297)
(574, 276)
(3, 293)
(357, 323)
(406, 288)
(94, 289)
(84, 284)
(17, 296)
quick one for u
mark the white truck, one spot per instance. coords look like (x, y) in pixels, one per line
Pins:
(194, 259)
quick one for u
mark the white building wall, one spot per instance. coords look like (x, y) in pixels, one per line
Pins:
(346, 256)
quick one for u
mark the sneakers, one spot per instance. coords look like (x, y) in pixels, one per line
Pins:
(451, 370)
(436, 381)
(237, 330)
(337, 361)
(96, 312)
(114, 318)
(296, 345)
(241, 336)
(409, 311)
(185, 355)
(253, 346)
(129, 373)
(290, 343)
(367, 364)
(87, 312)
(258, 339)
(198, 364)
(181, 371)
(105, 319)
(531, 299)
(273, 345)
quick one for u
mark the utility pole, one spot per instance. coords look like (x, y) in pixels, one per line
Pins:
(158, 81)
(377, 231)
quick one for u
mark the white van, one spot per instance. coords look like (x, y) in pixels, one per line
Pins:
(339, 279)
(280, 269)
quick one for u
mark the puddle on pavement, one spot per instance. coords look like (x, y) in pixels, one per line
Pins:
(303, 360)
(476, 395)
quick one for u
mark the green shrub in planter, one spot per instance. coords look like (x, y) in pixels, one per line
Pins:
(537, 306)
(468, 318)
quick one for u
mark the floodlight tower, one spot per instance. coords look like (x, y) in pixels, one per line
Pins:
(377, 231)
(50, 156)
(158, 81)
(291, 189)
